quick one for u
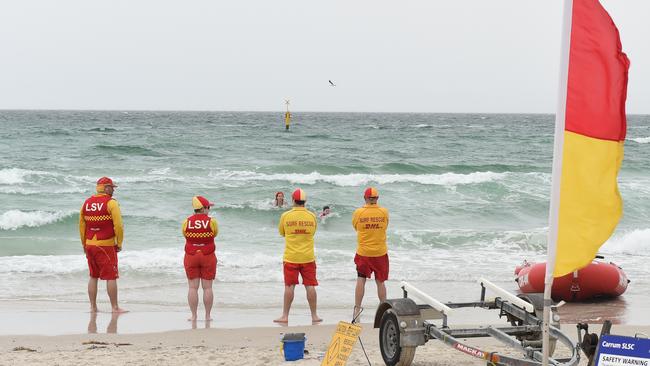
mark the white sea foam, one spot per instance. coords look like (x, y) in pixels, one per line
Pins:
(12, 176)
(252, 266)
(50, 264)
(160, 175)
(262, 205)
(166, 260)
(14, 219)
(640, 186)
(161, 171)
(354, 180)
(43, 190)
(154, 261)
(262, 265)
(636, 242)
(422, 125)
(641, 140)
(17, 175)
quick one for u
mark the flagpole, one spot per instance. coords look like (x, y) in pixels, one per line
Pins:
(558, 147)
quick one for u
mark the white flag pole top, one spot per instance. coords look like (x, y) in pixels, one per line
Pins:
(558, 148)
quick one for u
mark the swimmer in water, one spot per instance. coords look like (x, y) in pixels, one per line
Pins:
(325, 213)
(279, 199)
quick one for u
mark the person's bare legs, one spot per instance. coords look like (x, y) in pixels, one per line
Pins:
(208, 297)
(312, 300)
(288, 299)
(112, 325)
(381, 291)
(92, 294)
(193, 296)
(359, 291)
(92, 323)
(111, 288)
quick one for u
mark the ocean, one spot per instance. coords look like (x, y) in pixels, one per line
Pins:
(467, 193)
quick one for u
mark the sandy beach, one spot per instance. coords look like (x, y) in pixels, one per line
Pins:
(65, 333)
(43, 333)
(245, 346)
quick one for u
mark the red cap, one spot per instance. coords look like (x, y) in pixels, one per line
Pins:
(371, 192)
(105, 181)
(199, 202)
(299, 195)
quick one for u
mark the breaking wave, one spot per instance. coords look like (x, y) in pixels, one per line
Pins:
(641, 140)
(15, 219)
(636, 242)
(17, 176)
(354, 180)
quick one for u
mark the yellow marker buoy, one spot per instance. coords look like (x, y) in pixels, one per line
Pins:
(287, 116)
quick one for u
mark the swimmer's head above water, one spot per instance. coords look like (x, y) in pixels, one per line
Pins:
(326, 211)
(279, 199)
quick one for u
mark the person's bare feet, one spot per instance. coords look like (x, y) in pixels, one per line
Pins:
(192, 318)
(316, 319)
(119, 310)
(94, 310)
(282, 319)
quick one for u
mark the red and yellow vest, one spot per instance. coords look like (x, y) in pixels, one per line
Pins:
(99, 222)
(199, 234)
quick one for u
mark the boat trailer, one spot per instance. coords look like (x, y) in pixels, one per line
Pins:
(404, 325)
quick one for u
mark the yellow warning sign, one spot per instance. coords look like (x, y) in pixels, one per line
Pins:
(341, 345)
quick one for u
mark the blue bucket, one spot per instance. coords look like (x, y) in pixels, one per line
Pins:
(293, 346)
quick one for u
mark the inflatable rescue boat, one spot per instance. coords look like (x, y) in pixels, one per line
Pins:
(597, 280)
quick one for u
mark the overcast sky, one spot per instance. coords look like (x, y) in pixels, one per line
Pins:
(402, 56)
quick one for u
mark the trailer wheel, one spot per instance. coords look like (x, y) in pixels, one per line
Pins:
(389, 342)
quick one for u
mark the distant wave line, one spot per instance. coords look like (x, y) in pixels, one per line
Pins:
(354, 180)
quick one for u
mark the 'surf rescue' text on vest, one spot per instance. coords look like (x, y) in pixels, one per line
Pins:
(99, 223)
(199, 235)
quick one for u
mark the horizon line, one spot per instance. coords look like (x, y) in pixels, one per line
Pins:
(263, 111)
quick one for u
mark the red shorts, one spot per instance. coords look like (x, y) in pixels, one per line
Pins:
(201, 266)
(102, 262)
(307, 272)
(367, 265)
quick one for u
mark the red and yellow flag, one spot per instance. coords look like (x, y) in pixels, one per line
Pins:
(590, 205)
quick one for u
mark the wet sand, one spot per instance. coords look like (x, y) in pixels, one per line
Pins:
(245, 346)
(46, 332)
(60, 318)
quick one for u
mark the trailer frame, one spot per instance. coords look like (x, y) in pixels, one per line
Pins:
(405, 325)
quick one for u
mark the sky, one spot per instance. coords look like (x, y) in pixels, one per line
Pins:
(475, 56)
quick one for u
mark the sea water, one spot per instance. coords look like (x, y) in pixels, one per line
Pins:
(468, 196)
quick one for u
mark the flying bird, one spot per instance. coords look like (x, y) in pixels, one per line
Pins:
(331, 83)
